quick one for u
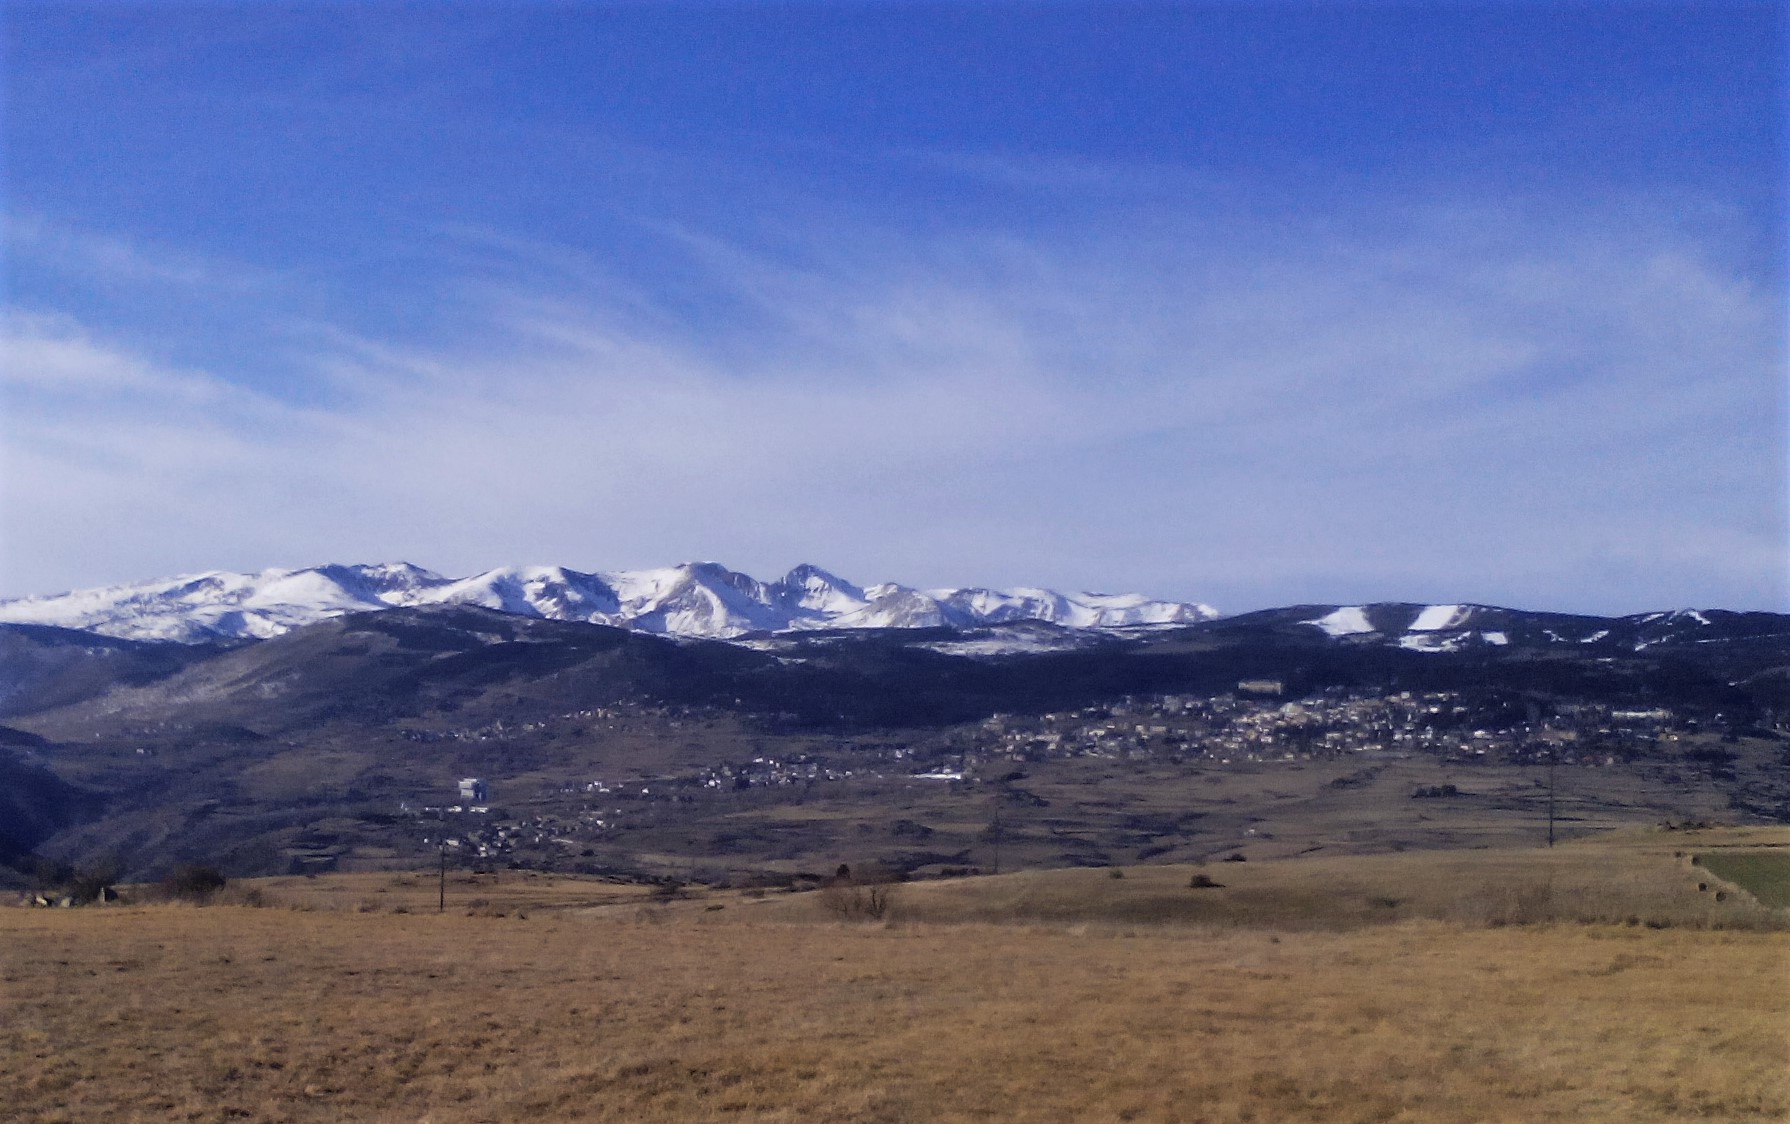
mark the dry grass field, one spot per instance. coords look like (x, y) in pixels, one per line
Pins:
(1645, 877)
(1063, 1003)
(505, 892)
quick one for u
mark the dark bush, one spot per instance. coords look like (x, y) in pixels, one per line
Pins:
(193, 883)
(80, 885)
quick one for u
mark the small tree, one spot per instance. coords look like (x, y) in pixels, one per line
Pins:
(89, 883)
(79, 884)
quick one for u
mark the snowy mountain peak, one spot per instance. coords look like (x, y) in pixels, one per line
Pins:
(811, 577)
(703, 599)
(811, 590)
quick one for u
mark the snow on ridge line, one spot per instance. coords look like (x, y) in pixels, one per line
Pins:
(1436, 618)
(695, 599)
(1350, 620)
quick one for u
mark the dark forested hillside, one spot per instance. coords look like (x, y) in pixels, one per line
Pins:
(152, 752)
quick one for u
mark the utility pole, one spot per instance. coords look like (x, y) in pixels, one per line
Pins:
(441, 887)
(1553, 759)
(997, 830)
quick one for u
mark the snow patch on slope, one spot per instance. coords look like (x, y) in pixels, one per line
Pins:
(1350, 620)
(1429, 642)
(1437, 618)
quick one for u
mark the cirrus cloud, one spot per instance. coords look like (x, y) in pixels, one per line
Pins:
(1461, 400)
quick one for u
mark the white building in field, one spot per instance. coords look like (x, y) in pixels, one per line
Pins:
(473, 789)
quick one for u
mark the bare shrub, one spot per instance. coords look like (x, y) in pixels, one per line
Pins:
(853, 902)
(867, 896)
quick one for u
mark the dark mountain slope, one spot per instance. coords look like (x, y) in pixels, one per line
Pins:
(482, 665)
(35, 805)
(42, 667)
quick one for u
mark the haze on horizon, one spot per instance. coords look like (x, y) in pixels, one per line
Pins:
(1246, 305)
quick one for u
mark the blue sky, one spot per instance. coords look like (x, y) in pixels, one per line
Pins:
(1247, 303)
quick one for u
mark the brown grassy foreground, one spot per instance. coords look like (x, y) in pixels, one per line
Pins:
(631, 1012)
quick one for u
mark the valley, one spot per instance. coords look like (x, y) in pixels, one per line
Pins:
(342, 745)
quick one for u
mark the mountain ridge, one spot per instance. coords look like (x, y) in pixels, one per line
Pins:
(695, 599)
(258, 753)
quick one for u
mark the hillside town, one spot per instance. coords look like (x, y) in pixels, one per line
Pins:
(1255, 726)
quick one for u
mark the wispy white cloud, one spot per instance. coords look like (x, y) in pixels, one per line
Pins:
(1452, 402)
(110, 259)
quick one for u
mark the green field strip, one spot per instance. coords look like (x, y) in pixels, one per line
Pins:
(1763, 874)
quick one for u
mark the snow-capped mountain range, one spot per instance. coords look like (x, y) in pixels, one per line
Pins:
(699, 599)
